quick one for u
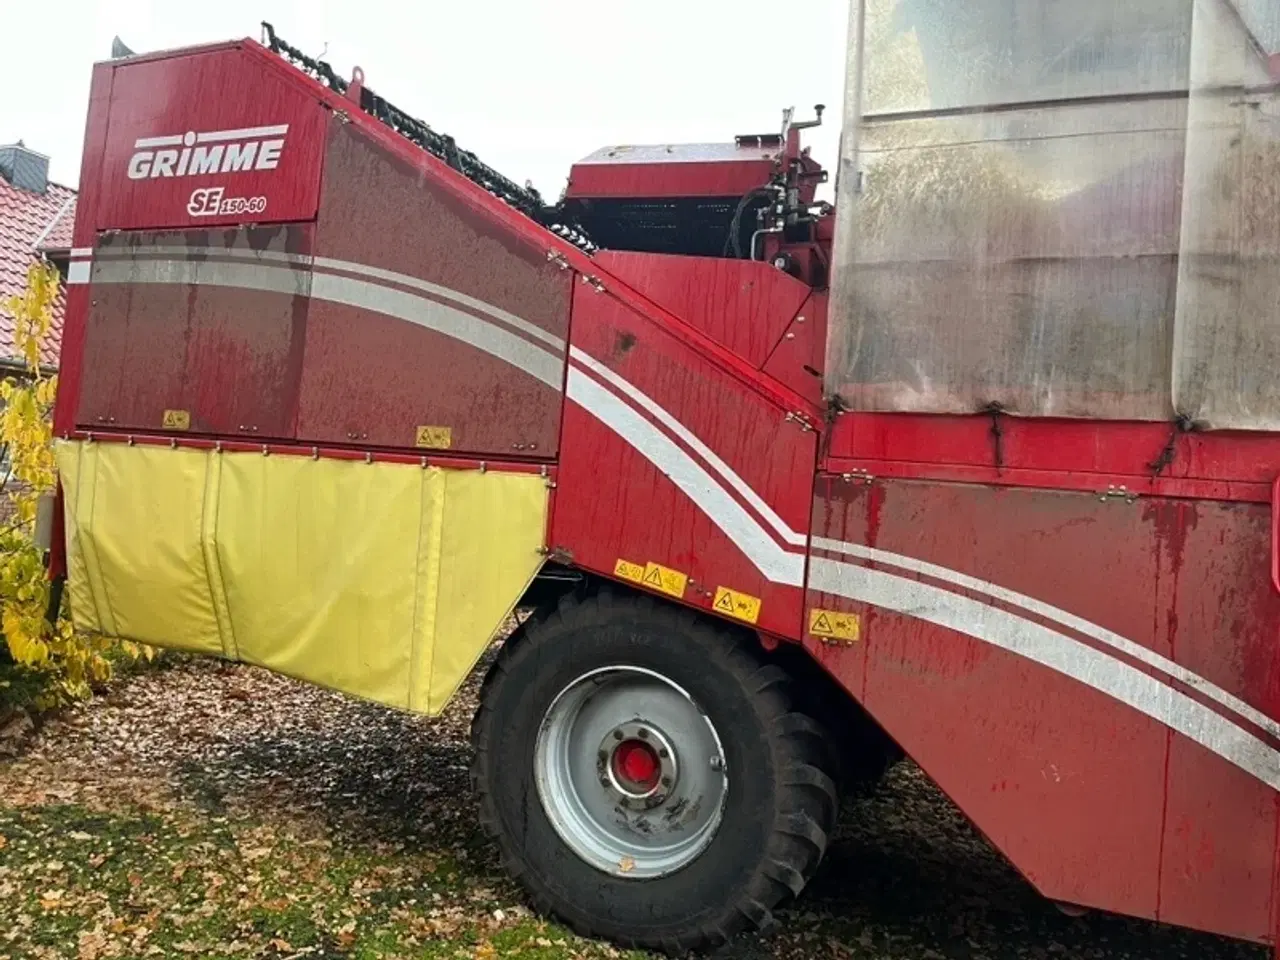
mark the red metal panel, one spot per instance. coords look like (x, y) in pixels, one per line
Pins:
(392, 228)
(73, 328)
(1066, 782)
(1085, 446)
(227, 356)
(205, 139)
(744, 304)
(676, 170)
(616, 502)
(1215, 598)
(797, 360)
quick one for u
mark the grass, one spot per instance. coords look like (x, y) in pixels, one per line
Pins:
(80, 883)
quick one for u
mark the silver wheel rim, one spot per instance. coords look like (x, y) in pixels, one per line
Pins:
(630, 772)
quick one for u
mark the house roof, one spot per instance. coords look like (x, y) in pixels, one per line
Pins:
(32, 223)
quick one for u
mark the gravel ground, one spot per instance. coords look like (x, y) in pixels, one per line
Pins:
(208, 809)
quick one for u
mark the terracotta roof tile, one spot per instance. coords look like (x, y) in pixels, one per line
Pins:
(25, 218)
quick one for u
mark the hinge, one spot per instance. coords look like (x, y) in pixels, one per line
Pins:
(342, 116)
(857, 476)
(1118, 493)
(558, 258)
(594, 282)
(794, 416)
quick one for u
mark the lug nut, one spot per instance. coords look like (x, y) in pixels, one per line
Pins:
(666, 781)
(642, 733)
(617, 734)
(664, 753)
(603, 754)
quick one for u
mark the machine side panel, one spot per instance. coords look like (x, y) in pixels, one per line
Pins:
(744, 304)
(428, 313)
(668, 460)
(1215, 597)
(1040, 655)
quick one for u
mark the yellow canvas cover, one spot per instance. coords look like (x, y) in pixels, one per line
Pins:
(382, 580)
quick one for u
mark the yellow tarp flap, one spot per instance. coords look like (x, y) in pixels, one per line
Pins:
(386, 581)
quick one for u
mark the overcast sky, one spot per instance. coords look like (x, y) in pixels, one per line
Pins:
(528, 85)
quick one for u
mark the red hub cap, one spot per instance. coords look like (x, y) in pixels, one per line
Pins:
(636, 766)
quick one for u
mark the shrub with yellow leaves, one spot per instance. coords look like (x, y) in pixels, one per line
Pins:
(69, 663)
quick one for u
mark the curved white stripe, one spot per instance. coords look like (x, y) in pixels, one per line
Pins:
(1069, 657)
(779, 565)
(1114, 640)
(350, 266)
(680, 430)
(431, 314)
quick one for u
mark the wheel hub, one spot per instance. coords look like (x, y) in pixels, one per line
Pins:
(637, 765)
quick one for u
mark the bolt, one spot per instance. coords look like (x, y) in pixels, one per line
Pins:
(642, 733)
(717, 763)
(664, 753)
(617, 734)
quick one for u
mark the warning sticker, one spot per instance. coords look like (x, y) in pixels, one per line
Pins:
(626, 570)
(665, 580)
(833, 625)
(177, 420)
(735, 604)
(434, 438)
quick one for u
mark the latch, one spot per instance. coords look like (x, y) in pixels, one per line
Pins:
(1120, 492)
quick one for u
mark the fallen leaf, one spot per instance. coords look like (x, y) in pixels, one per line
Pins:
(80, 835)
(3, 841)
(284, 946)
(485, 951)
(91, 944)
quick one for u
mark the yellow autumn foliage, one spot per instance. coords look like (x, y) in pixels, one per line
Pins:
(70, 662)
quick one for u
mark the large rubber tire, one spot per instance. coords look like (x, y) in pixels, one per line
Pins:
(778, 810)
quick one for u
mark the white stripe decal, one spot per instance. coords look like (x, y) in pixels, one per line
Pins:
(81, 252)
(779, 565)
(244, 133)
(431, 314)
(1114, 640)
(680, 430)
(328, 263)
(1091, 667)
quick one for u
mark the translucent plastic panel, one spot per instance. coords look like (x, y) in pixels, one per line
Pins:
(1227, 343)
(1024, 259)
(943, 54)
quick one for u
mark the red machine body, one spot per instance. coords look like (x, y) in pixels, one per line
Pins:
(1082, 651)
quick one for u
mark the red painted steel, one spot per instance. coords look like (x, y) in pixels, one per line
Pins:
(1275, 534)
(1067, 782)
(260, 139)
(229, 358)
(373, 378)
(1119, 448)
(614, 503)
(797, 359)
(679, 170)
(743, 304)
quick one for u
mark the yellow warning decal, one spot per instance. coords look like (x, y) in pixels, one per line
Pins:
(177, 420)
(434, 438)
(626, 570)
(666, 580)
(834, 625)
(737, 604)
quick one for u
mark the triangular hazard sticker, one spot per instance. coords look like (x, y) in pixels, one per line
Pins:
(821, 626)
(725, 602)
(653, 578)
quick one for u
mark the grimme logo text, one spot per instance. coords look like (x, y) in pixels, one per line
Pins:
(191, 154)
